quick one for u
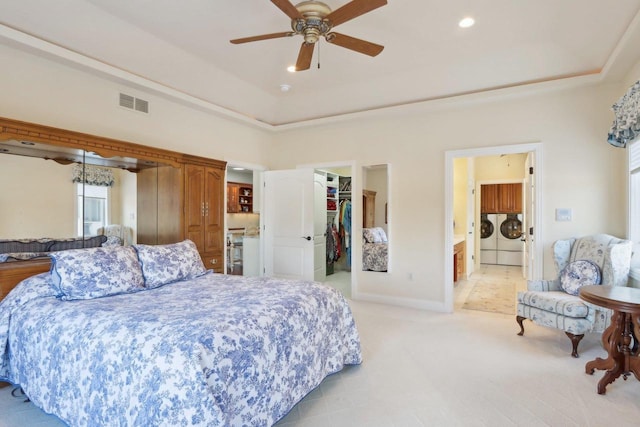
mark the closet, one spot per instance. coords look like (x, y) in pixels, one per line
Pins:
(338, 232)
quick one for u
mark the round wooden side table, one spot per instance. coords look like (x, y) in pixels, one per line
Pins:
(620, 339)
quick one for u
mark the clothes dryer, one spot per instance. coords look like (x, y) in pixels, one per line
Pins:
(488, 238)
(510, 247)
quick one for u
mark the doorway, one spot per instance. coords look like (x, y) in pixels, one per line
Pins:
(242, 220)
(531, 205)
(345, 183)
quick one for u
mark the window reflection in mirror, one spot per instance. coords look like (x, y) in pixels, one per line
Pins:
(375, 226)
(44, 198)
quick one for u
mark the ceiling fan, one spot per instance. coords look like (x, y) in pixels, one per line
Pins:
(313, 19)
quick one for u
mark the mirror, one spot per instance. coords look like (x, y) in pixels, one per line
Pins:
(375, 218)
(40, 200)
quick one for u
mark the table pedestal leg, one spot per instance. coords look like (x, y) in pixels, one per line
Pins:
(617, 339)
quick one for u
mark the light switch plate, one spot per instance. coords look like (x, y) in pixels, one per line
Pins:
(563, 214)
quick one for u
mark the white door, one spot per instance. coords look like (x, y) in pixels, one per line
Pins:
(529, 204)
(470, 248)
(290, 239)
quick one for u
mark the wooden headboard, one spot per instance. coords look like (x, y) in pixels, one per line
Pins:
(13, 272)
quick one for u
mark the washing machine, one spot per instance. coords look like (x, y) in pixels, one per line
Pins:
(488, 238)
(510, 247)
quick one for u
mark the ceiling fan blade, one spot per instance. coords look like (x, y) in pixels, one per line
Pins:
(304, 57)
(353, 43)
(352, 10)
(287, 7)
(262, 37)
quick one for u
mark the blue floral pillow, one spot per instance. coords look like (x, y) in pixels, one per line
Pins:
(577, 274)
(162, 264)
(96, 272)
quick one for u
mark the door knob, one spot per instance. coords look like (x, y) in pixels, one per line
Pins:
(307, 238)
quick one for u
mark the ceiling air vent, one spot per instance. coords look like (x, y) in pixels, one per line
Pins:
(133, 103)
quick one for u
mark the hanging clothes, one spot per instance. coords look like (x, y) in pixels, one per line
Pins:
(332, 244)
(345, 229)
(336, 238)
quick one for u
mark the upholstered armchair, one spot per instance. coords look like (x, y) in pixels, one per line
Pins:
(600, 258)
(116, 235)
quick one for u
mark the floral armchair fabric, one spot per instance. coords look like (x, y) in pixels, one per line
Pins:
(547, 303)
(117, 235)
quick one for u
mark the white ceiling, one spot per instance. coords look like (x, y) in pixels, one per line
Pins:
(184, 45)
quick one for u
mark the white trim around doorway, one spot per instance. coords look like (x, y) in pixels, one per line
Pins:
(536, 149)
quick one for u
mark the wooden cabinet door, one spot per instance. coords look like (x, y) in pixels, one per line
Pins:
(194, 205)
(204, 210)
(489, 194)
(213, 220)
(233, 205)
(510, 198)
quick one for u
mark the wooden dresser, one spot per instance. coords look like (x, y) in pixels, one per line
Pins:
(12, 273)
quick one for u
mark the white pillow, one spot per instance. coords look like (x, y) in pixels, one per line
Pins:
(96, 272)
(162, 264)
(577, 274)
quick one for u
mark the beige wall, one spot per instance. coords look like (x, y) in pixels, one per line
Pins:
(509, 167)
(43, 91)
(33, 203)
(40, 199)
(581, 171)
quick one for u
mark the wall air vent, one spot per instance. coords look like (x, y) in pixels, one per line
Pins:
(133, 103)
(142, 105)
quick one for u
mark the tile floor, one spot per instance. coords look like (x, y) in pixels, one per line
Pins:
(487, 273)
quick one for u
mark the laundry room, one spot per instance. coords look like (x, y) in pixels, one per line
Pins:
(500, 181)
(490, 212)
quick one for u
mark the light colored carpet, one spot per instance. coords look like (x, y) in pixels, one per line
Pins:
(426, 369)
(494, 297)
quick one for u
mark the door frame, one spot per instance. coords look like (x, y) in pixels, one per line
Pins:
(536, 149)
(356, 210)
(256, 169)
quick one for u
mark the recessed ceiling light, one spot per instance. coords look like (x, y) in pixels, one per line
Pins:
(466, 22)
(285, 87)
(291, 68)
(237, 169)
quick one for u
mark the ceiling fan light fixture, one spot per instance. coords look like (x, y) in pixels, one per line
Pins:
(291, 68)
(313, 20)
(466, 22)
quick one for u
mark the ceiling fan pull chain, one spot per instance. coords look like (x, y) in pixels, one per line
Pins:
(318, 43)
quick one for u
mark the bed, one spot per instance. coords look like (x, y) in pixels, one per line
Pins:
(375, 249)
(145, 336)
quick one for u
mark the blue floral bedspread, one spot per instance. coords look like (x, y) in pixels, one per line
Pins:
(216, 350)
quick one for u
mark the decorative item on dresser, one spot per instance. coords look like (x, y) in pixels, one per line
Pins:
(178, 195)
